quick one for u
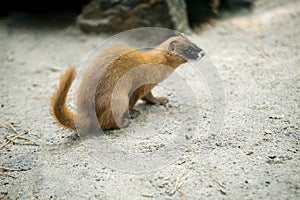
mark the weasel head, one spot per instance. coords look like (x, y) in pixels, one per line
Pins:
(183, 47)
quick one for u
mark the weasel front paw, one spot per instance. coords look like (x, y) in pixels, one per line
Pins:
(134, 114)
(161, 101)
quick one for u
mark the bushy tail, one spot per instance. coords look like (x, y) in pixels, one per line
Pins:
(59, 109)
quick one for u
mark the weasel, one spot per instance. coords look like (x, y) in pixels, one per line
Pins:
(105, 98)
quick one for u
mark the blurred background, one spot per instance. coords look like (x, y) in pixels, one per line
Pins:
(119, 15)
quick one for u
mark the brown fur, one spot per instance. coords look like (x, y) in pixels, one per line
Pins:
(116, 80)
(58, 103)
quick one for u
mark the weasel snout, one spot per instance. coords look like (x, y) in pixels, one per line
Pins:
(201, 53)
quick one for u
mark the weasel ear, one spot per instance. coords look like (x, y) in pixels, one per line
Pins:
(172, 46)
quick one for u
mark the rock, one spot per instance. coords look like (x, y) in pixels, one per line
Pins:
(199, 11)
(237, 3)
(112, 16)
(119, 15)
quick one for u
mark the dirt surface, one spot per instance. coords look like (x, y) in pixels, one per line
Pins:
(255, 154)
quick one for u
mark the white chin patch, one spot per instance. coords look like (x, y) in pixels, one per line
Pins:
(200, 55)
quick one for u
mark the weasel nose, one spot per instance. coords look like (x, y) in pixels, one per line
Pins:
(201, 53)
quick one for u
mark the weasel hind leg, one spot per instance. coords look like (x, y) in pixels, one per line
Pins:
(120, 111)
(149, 98)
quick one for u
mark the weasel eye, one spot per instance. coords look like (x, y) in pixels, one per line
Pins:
(190, 50)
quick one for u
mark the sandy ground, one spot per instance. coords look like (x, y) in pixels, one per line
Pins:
(254, 155)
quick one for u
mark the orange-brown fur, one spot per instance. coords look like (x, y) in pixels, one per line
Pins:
(105, 100)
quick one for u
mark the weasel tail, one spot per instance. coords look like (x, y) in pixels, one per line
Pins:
(59, 109)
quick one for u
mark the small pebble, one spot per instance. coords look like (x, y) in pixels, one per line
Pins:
(272, 157)
(222, 191)
(277, 160)
(276, 116)
(188, 137)
(10, 58)
(267, 131)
